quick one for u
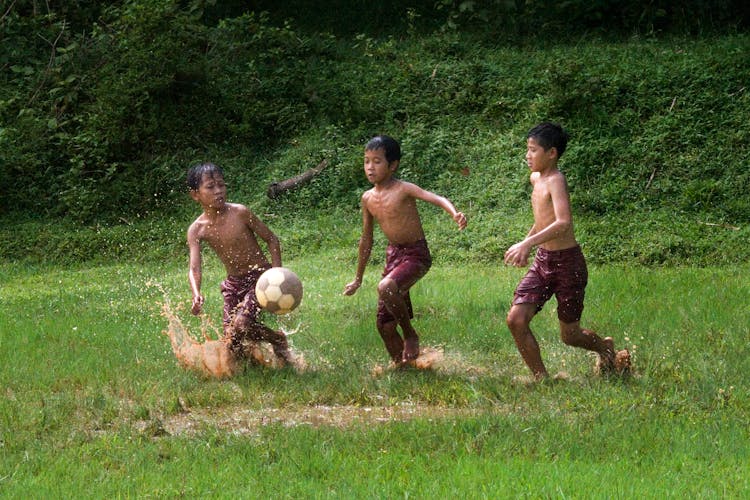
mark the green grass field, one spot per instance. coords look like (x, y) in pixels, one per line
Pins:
(94, 405)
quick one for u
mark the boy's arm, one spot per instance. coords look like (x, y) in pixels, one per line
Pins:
(437, 200)
(518, 254)
(274, 245)
(194, 269)
(365, 249)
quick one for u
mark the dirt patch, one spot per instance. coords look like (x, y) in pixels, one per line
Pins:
(242, 421)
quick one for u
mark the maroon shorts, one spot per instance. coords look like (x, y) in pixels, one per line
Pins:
(404, 264)
(239, 296)
(560, 272)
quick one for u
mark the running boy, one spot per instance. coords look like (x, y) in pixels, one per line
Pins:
(231, 230)
(392, 203)
(559, 267)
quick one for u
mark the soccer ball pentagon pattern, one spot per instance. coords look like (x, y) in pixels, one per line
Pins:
(279, 290)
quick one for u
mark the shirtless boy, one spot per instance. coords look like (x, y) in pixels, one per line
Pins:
(392, 203)
(231, 230)
(559, 267)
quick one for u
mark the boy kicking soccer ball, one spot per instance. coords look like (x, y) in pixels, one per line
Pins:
(232, 231)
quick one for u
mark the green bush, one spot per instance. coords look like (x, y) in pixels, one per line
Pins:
(99, 124)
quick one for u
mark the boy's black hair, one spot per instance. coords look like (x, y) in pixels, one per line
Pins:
(386, 143)
(550, 135)
(195, 174)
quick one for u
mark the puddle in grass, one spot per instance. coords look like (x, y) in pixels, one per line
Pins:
(243, 421)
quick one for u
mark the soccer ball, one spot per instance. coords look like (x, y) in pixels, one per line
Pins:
(279, 290)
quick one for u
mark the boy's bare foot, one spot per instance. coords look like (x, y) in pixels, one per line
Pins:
(606, 359)
(613, 362)
(411, 349)
(622, 362)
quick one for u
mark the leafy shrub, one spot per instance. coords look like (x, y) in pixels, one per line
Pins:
(99, 124)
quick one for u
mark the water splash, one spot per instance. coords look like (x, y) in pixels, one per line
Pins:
(430, 358)
(212, 357)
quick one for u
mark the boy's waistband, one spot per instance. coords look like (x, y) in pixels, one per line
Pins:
(543, 252)
(250, 274)
(415, 244)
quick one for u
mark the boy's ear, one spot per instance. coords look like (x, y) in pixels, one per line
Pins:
(553, 152)
(193, 194)
(393, 165)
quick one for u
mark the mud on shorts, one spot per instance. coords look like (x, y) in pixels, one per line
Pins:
(404, 264)
(239, 299)
(559, 272)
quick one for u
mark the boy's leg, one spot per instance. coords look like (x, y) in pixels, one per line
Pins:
(518, 320)
(245, 326)
(396, 303)
(573, 335)
(405, 265)
(394, 344)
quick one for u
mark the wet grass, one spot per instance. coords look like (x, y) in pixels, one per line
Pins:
(92, 400)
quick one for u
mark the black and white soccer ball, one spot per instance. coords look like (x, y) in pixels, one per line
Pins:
(279, 290)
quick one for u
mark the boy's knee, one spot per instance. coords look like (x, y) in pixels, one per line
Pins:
(386, 328)
(516, 319)
(387, 287)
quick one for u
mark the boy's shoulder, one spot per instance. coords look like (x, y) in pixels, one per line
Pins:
(199, 221)
(402, 186)
(196, 228)
(237, 207)
(553, 175)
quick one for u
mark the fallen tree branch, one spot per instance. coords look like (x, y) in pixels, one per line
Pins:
(724, 225)
(276, 188)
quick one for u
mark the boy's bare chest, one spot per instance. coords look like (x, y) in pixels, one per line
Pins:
(540, 195)
(225, 233)
(389, 205)
(541, 202)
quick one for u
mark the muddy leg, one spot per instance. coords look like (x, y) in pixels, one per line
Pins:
(396, 305)
(245, 328)
(518, 320)
(392, 340)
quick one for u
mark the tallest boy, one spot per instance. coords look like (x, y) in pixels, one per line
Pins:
(559, 267)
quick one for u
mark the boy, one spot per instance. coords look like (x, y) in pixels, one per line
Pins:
(392, 203)
(559, 266)
(231, 230)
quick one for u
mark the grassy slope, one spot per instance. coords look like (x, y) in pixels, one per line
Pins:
(654, 167)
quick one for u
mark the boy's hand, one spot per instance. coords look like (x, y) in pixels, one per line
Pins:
(460, 219)
(197, 305)
(352, 287)
(517, 255)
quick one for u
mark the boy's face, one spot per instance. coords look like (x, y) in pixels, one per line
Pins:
(537, 158)
(212, 192)
(377, 168)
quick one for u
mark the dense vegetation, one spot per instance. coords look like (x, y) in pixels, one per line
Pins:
(103, 106)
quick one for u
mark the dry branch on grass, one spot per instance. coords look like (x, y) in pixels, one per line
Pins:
(277, 188)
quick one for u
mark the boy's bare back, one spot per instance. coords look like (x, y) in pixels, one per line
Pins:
(231, 234)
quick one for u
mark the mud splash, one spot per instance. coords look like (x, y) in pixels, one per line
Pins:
(212, 357)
